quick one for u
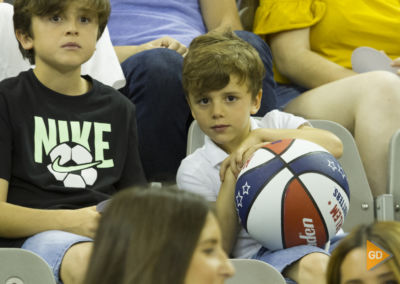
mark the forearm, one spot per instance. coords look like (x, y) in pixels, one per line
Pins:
(321, 137)
(17, 221)
(308, 69)
(294, 59)
(226, 213)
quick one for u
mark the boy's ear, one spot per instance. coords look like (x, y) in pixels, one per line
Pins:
(190, 106)
(256, 102)
(24, 39)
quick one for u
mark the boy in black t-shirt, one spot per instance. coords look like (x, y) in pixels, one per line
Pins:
(67, 142)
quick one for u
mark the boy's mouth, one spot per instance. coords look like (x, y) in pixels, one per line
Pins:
(220, 127)
(71, 45)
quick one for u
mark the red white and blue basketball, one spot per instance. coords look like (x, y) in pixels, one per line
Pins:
(292, 192)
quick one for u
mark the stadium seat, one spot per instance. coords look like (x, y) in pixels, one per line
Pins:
(361, 200)
(19, 266)
(394, 173)
(254, 272)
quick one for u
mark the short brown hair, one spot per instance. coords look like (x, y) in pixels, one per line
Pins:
(214, 56)
(25, 9)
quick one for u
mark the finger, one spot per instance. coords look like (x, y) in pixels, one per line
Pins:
(224, 166)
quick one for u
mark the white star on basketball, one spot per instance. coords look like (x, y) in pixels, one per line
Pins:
(332, 165)
(239, 200)
(246, 188)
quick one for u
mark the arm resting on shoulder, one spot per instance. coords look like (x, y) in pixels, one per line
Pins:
(295, 60)
(17, 221)
(220, 14)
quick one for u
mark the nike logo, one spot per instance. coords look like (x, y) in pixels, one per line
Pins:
(61, 169)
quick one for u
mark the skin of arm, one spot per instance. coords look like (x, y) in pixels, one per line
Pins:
(259, 136)
(295, 60)
(226, 212)
(17, 221)
(220, 14)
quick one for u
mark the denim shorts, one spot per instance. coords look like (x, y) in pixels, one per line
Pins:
(285, 93)
(280, 259)
(52, 246)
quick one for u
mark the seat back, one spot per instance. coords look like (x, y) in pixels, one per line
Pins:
(394, 172)
(254, 272)
(361, 209)
(19, 266)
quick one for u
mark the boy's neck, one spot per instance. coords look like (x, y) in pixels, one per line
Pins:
(67, 83)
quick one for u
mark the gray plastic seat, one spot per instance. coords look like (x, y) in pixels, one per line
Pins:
(253, 271)
(19, 266)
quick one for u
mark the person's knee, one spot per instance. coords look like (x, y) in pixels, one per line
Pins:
(311, 266)
(75, 263)
(314, 263)
(155, 62)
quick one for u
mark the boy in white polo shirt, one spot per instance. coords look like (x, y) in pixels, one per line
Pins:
(222, 77)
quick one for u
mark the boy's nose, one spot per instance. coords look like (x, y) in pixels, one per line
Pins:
(217, 110)
(71, 28)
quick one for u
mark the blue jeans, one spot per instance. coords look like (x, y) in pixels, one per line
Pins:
(154, 85)
(52, 246)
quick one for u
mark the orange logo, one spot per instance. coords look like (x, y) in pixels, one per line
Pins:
(375, 255)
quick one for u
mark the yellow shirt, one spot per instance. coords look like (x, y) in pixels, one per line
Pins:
(337, 27)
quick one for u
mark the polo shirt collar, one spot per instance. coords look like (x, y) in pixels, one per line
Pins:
(214, 153)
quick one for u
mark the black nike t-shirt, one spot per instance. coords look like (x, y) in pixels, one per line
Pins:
(60, 151)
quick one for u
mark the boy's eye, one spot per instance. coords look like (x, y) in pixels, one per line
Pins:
(203, 101)
(85, 20)
(231, 98)
(55, 18)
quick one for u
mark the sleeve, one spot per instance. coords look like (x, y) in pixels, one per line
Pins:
(191, 177)
(280, 15)
(104, 65)
(282, 120)
(5, 141)
(132, 173)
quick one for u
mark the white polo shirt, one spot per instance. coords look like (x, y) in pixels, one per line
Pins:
(199, 172)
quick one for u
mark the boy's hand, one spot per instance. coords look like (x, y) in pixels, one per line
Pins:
(237, 159)
(82, 221)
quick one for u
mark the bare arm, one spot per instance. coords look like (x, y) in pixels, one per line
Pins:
(257, 137)
(226, 212)
(17, 221)
(220, 14)
(126, 51)
(295, 60)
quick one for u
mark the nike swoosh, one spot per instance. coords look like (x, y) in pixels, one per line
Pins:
(61, 169)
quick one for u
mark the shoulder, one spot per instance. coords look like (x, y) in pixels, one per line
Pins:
(112, 96)
(279, 119)
(197, 174)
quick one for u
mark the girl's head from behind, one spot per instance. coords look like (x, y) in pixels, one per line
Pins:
(348, 263)
(153, 235)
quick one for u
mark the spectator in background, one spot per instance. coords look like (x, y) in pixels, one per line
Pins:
(150, 37)
(311, 43)
(348, 263)
(158, 236)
